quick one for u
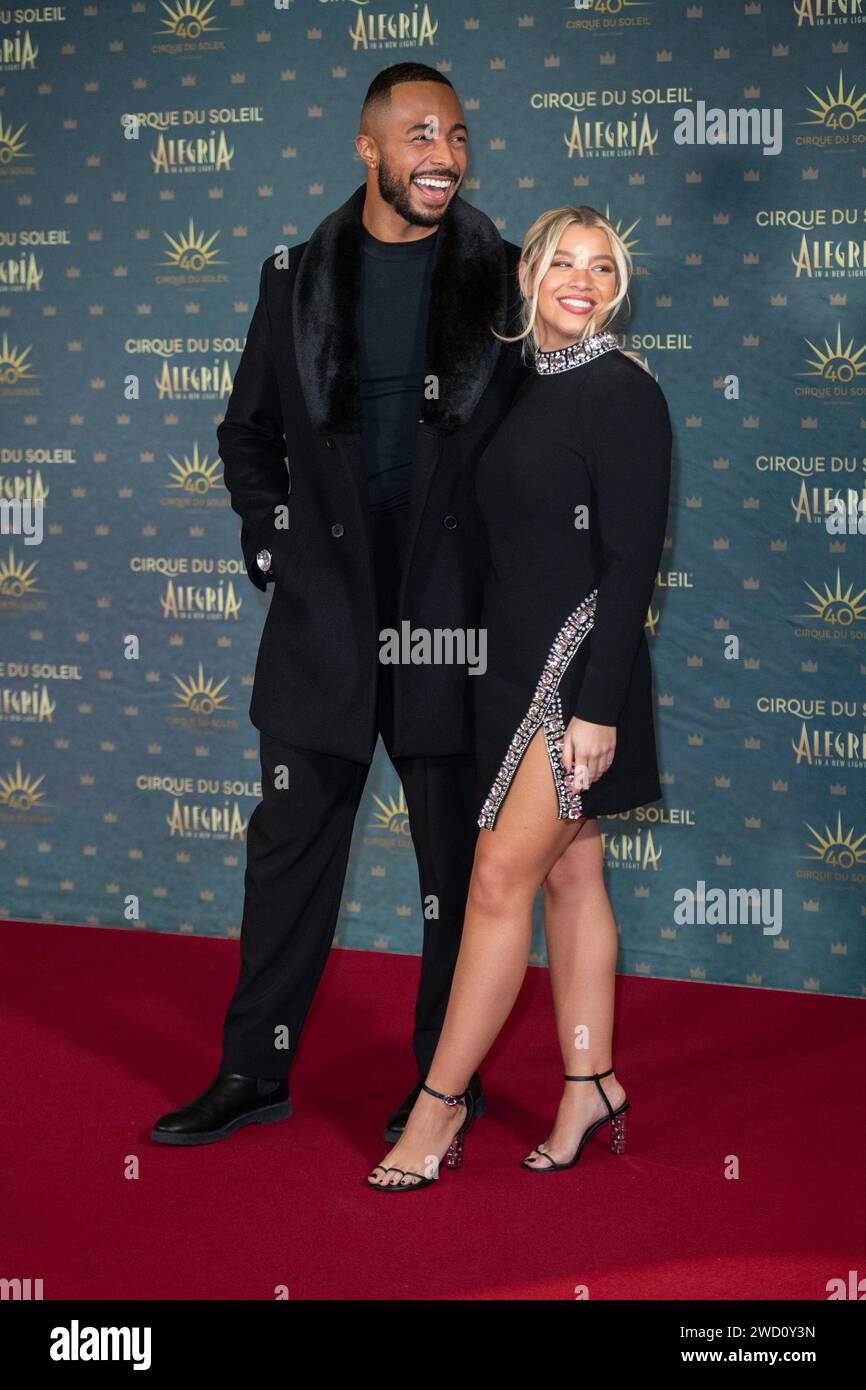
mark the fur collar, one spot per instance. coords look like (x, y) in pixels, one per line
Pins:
(469, 293)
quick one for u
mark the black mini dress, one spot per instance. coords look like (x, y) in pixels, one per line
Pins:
(573, 487)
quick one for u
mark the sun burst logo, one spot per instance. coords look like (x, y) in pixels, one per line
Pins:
(841, 609)
(393, 816)
(18, 792)
(14, 366)
(200, 694)
(16, 578)
(833, 362)
(836, 847)
(194, 475)
(188, 19)
(626, 233)
(839, 110)
(190, 251)
(11, 143)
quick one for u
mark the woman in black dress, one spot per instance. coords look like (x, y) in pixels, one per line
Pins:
(574, 491)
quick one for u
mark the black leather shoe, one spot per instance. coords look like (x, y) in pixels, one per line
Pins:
(397, 1122)
(229, 1102)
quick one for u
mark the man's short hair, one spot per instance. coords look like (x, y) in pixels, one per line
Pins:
(379, 90)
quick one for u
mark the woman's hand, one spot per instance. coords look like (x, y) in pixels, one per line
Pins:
(587, 751)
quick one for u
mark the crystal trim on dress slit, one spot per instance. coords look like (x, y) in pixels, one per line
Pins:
(545, 711)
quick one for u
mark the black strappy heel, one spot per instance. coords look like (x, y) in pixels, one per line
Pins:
(616, 1119)
(453, 1154)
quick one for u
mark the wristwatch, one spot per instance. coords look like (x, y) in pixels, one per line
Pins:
(263, 560)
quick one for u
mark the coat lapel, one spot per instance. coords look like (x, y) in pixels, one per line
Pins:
(468, 295)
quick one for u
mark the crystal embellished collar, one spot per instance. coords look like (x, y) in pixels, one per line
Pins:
(563, 359)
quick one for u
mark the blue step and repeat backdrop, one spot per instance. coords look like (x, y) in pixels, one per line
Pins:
(728, 144)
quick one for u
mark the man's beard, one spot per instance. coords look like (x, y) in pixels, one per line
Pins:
(393, 192)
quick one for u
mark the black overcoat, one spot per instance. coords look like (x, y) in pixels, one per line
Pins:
(291, 439)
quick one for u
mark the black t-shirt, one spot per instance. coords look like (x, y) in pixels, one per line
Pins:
(392, 320)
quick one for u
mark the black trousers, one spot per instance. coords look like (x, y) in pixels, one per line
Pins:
(298, 843)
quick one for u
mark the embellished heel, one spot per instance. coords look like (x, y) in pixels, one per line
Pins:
(617, 1134)
(454, 1155)
(615, 1118)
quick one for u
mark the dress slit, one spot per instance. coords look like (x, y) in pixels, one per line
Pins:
(545, 711)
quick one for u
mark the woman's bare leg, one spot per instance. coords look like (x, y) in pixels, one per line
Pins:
(582, 947)
(511, 863)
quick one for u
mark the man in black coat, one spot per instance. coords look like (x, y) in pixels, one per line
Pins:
(371, 363)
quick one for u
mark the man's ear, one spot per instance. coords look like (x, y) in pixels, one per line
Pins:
(366, 147)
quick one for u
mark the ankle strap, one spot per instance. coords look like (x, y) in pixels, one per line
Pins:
(596, 1077)
(449, 1100)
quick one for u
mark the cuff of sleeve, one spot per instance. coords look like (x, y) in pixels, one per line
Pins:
(262, 539)
(596, 709)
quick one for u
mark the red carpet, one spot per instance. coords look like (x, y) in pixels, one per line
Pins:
(103, 1030)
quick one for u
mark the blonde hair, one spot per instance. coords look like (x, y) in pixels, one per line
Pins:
(538, 251)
